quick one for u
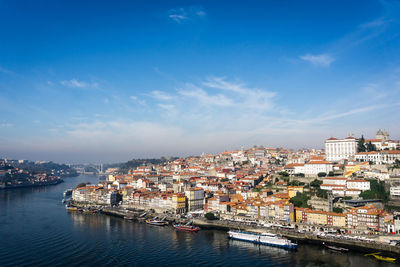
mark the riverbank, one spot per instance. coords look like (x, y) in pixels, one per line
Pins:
(301, 238)
(54, 182)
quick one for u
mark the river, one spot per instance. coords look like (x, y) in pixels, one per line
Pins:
(36, 230)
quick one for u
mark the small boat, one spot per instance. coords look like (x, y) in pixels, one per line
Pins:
(335, 248)
(130, 218)
(70, 208)
(184, 227)
(157, 222)
(382, 258)
(86, 211)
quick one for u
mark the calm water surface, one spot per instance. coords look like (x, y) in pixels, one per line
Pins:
(35, 230)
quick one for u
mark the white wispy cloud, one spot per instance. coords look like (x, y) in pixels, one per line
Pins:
(160, 95)
(137, 100)
(74, 83)
(6, 125)
(249, 98)
(167, 107)
(324, 60)
(181, 14)
(204, 98)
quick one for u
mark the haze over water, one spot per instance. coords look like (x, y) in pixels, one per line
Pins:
(36, 230)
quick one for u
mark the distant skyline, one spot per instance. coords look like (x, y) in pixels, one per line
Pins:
(101, 81)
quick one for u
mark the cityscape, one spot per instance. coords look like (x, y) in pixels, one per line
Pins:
(200, 133)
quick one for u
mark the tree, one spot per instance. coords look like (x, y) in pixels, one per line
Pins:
(294, 182)
(284, 174)
(368, 194)
(331, 173)
(321, 174)
(299, 175)
(337, 210)
(360, 145)
(377, 191)
(322, 193)
(210, 216)
(300, 200)
(316, 183)
(370, 147)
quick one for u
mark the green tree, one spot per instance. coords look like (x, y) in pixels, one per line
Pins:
(284, 174)
(377, 191)
(300, 200)
(370, 147)
(210, 216)
(331, 173)
(360, 145)
(337, 210)
(321, 174)
(322, 193)
(368, 194)
(316, 183)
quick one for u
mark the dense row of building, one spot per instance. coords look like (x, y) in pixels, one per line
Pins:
(243, 185)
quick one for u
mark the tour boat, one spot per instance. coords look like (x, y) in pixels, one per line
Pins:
(263, 239)
(335, 248)
(184, 227)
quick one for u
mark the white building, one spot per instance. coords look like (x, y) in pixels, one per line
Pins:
(338, 149)
(358, 184)
(395, 191)
(379, 157)
(345, 187)
(315, 167)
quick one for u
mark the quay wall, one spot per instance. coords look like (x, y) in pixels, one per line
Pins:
(361, 246)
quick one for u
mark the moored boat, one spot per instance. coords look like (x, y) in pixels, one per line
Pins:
(335, 248)
(156, 222)
(268, 239)
(381, 258)
(189, 228)
(70, 208)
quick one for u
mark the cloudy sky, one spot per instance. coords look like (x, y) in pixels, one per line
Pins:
(114, 80)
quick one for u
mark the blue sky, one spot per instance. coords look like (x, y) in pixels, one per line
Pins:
(113, 80)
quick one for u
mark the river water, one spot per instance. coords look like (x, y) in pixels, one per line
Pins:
(36, 230)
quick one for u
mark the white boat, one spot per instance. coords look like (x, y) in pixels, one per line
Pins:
(264, 239)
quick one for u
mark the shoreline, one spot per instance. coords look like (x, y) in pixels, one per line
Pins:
(301, 238)
(59, 181)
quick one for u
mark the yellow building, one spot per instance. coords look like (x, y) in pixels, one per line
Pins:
(292, 190)
(179, 202)
(317, 217)
(350, 169)
(339, 220)
(299, 214)
(111, 178)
